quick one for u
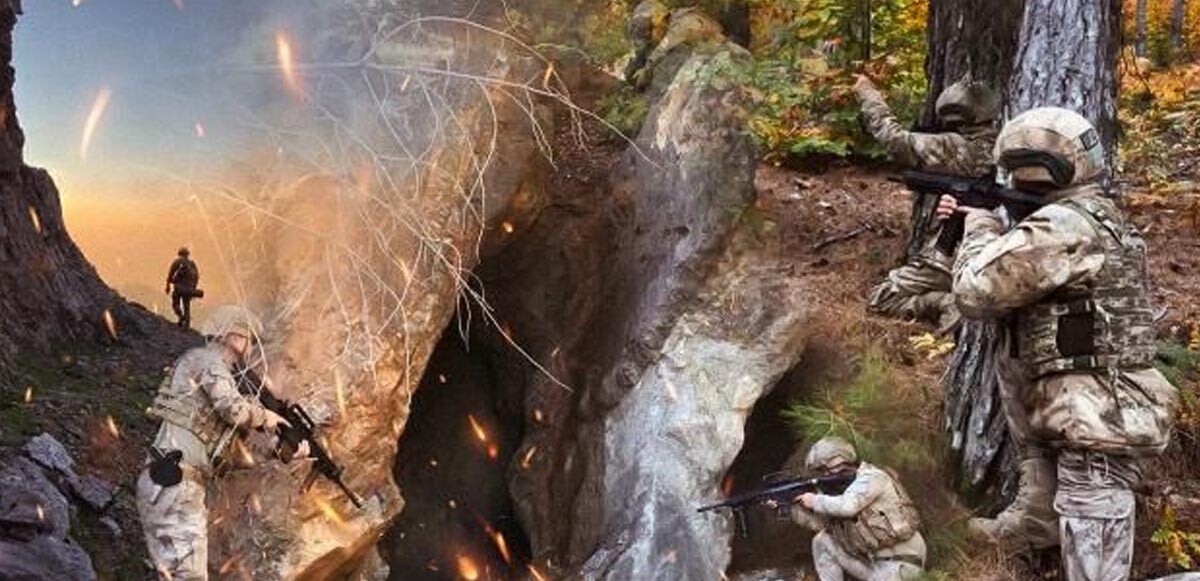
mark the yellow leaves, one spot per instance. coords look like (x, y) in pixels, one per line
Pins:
(930, 346)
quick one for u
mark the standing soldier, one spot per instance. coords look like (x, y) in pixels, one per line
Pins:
(1073, 275)
(868, 532)
(183, 278)
(966, 111)
(201, 408)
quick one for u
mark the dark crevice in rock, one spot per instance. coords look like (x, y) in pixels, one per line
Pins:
(452, 468)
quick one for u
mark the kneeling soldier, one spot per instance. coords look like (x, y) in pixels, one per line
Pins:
(868, 532)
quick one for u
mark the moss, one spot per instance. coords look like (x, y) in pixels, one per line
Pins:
(625, 109)
(1177, 362)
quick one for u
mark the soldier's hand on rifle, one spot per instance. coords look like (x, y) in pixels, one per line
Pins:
(302, 451)
(807, 499)
(272, 421)
(771, 504)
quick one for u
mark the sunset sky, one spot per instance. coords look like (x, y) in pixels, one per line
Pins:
(168, 65)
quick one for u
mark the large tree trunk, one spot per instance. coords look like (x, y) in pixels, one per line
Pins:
(1140, 15)
(970, 37)
(1068, 58)
(979, 39)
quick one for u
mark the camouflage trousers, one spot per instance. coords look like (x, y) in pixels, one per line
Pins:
(833, 563)
(175, 525)
(918, 290)
(1095, 504)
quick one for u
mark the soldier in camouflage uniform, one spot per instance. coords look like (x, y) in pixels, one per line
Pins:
(1072, 276)
(655, 31)
(200, 408)
(868, 532)
(920, 289)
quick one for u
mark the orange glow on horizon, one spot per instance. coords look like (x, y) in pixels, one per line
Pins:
(99, 107)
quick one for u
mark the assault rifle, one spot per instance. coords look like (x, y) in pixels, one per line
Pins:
(783, 492)
(302, 429)
(981, 193)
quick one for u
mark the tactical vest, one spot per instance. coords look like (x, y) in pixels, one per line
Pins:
(1107, 325)
(888, 521)
(182, 401)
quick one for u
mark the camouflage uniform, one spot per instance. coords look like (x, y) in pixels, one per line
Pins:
(200, 408)
(1072, 275)
(869, 531)
(656, 31)
(920, 289)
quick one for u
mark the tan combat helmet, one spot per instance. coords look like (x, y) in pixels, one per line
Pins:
(967, 103)
(1051, 145)
(233, 320)
(829, 453)
(648, 25)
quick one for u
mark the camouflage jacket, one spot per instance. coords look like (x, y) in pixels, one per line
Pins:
(1056, 251)
(873, 519)
(199, 404)
(964, 154)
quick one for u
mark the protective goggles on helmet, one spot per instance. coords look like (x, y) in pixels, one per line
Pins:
(1061, 170)
(955, 113)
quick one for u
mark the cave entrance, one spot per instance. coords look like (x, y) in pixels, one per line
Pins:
(769, 540)
(452, 467)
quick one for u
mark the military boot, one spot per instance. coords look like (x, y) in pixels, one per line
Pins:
(1031, 519)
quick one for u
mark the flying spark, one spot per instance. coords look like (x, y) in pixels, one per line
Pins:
(99, 106)
(493, 452)
(441, 379)
(478, 429)
(329, 511)
(111, 424)
(110, 324)
(41, 512)
(287, 63)
(200, 131)
(33, 217)
(527, 460)
(76, 3)
(229, 564)
(501, 544)
(178, 4)
(29, 394)
(537, 575)
(341, 391)
(467, 569)
(508, 227)
(538, 416)
(255, 504)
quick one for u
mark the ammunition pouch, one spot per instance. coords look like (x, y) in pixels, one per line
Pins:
(164, 467)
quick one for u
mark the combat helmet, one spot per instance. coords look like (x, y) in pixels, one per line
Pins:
(1051, 145)
(967, 103)
(232, 320)
(829, 453)
(648, 24)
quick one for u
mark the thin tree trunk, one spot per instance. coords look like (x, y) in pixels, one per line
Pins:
(1140, 15)
(1178, 10)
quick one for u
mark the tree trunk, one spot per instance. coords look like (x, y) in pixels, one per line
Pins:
(976, 38)
(49, 294)
(1178, 10)
(1068, 58)
(1140, 15)
(973, 37)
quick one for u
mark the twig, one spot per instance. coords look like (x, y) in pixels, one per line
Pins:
(839, 238)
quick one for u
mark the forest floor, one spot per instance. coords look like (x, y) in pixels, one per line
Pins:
(846, 226)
